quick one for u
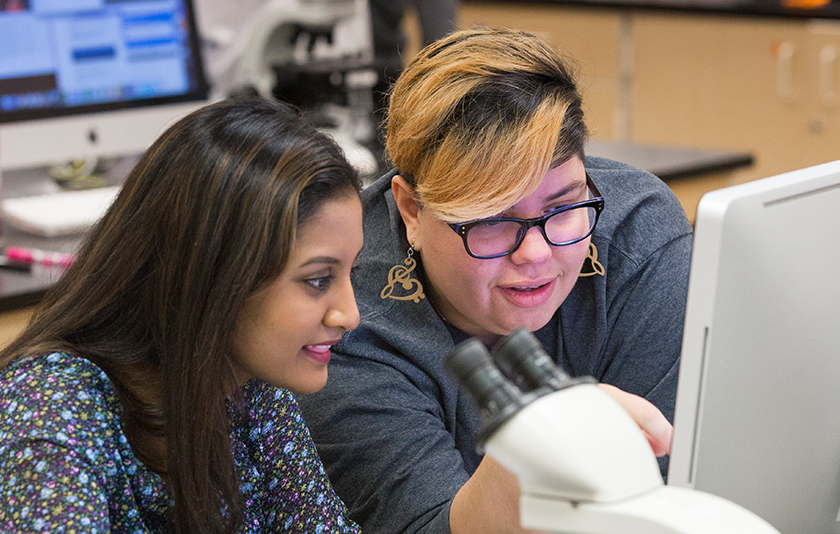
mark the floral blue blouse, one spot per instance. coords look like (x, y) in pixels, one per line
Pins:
(65, 464)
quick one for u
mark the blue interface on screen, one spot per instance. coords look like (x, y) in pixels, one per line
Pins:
(63, 57)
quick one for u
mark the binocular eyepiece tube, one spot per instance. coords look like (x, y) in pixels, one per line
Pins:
(470, 365)
(521, 357)
(503, 381)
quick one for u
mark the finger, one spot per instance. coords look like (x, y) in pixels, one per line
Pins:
(657, 428)
(659, 449)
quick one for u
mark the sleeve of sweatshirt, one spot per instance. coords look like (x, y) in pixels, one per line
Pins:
(385, 446)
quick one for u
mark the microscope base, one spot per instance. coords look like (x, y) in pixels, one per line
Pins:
(664, 510)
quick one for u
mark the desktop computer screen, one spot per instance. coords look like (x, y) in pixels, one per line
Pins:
(758, 403)
(93, 77)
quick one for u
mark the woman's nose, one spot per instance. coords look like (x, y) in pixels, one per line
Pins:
(344, 313)
(534, 248)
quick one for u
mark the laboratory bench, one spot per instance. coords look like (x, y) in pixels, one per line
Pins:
(689, 172)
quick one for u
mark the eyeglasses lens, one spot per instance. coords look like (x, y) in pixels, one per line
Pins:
(491, 238)
(568, 226)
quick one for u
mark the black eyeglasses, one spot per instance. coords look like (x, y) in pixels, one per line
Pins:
(500, 236)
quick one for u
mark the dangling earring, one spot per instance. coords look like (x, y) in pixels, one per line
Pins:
(594, 264)
(402, 275)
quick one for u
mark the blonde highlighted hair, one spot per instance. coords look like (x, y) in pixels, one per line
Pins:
(477, 119)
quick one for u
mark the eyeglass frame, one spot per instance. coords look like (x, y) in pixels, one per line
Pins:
(597, 202)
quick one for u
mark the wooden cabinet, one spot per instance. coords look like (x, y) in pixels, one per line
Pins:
(11, 324)
(822, 92)
(765, 86)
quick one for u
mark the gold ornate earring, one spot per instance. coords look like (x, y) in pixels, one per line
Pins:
(400, 274)
(593, 263)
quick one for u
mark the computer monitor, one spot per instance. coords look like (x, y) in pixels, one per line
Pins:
(93, 77)
(758, 403)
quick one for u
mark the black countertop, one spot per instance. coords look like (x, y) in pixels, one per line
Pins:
(758, 8)
(20, 289)
(670, 162)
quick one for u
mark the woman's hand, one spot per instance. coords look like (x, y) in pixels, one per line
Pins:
(656, 427)
(488, 503)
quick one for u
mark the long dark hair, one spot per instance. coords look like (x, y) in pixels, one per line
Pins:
(205, 219)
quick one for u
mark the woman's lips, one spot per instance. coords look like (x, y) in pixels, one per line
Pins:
(529, 294)
(319, 353)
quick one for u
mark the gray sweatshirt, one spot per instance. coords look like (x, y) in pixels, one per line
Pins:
(397, 436)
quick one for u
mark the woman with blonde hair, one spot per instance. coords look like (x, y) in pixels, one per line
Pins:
(493, 218)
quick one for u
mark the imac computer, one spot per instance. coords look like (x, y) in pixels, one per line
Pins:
(758, 403)
(93, 78)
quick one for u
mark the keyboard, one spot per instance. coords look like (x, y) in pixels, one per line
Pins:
(58, 214)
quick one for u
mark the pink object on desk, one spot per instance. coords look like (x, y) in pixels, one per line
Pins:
(29, 256)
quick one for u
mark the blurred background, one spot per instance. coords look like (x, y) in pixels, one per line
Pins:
(703, 93)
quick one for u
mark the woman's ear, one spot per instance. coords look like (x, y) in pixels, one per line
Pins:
(409, 209)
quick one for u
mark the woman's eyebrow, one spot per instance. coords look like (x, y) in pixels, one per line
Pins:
(328, 260)
(565, 190)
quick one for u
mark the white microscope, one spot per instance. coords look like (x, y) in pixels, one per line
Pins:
(306, 52)
(583, 465)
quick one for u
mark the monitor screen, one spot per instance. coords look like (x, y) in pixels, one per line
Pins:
(758, 403)
(63, 60)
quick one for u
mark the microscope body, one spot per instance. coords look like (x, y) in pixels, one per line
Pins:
(583, 464)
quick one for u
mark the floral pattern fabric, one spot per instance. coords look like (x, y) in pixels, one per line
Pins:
(66, 466)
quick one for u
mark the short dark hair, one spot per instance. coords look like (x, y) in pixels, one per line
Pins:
(479, 117)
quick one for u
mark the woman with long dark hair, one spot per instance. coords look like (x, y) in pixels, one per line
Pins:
(149, 391)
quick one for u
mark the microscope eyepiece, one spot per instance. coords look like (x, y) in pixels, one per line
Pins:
(472, 368)
(521, 356)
